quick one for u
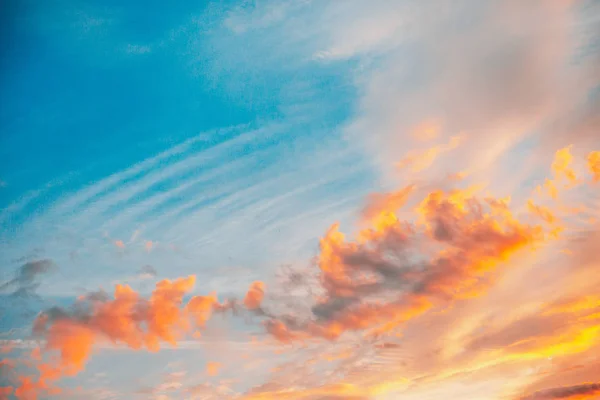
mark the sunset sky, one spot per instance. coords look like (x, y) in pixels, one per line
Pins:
(300, 200)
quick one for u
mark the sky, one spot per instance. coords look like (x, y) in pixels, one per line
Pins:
(303, 200)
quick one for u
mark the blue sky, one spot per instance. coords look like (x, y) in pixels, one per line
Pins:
(142, 141)
(124, 119)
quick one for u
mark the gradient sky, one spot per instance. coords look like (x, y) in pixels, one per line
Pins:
(305, 199)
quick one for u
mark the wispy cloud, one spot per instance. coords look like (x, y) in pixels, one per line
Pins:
(188, 198)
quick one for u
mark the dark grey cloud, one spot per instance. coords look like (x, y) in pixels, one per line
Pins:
(27, 277)
(566, 392)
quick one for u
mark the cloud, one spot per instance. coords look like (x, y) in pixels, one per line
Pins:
(386, 277)
(593, 160)
(202, 307)
(379, 203)
(453, 248)
(578, 392)
(339, 391)
(563, 327)
(138, 49)
(200, 189)
(496, 78)
(5, 391)
(125, 318)
(147, 272)
(543, 212)
(418, 161)
(255, 296)
(212, 368)
(27, 276)
(448, 263)
(564, 178)
(335, 397)
(457, 274)
(562, 165)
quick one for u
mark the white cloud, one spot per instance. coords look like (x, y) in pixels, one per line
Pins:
(495, 71)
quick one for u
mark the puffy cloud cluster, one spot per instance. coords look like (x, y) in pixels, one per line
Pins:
(459, 248)
(126, 319)
(397, 270)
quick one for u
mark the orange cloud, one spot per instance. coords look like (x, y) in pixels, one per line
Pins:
(126, 319)
(212, 368)
(561, 166)
(419, 161)
(7, 363)
(73, 342)
(454, 250)
(585, 391)
(593, 161)
(551, 188)
(542, 212)
(201, 308)
(562, 170)
(7, 348)
(29, 388)
(338, 391)
(119, 244)
(457, 241)
(427, 130)
(281, 332)
(564, 328)
(5, 391)
(379, 204)
(574, 305)
(255, 295)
